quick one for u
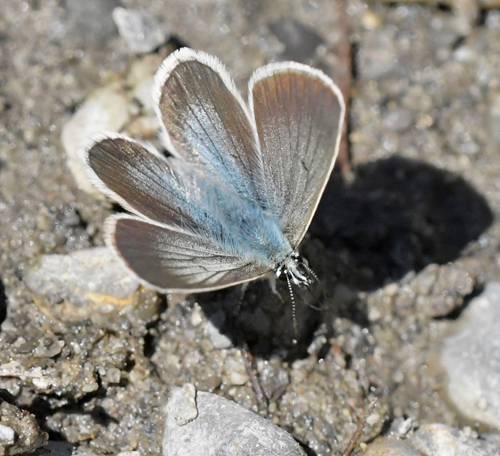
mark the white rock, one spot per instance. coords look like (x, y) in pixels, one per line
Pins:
(142, 33)
(7, 435)
(106, 109)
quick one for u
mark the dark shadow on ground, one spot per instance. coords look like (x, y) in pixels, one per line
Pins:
(397, 216)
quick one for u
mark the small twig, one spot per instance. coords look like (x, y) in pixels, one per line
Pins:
(262, 401)
(359, 430)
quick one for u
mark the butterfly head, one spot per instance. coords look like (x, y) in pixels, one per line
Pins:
(294, 269)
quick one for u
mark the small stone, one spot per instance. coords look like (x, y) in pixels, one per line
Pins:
(7, 436)
(238, 378)
(405, 426)
(442, 288)
(196, 316)
(112, 375)
(370, 20)
(183, 401)
(390, 447)
(48, 347)
(398, 120)
(236, 374)
(214, 328)
(442, 440)
(142, 33)
(106, 109)
(19, 431)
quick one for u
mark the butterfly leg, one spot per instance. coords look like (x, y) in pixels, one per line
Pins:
(272, 285)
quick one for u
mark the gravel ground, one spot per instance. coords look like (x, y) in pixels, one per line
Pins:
(401, 241)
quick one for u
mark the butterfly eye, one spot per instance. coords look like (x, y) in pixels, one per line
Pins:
(281, 272)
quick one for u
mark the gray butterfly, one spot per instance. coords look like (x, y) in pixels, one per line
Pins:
(237, 195)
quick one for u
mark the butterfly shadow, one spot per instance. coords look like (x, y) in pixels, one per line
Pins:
(396, 216)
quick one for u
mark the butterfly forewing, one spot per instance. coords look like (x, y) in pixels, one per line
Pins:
(140, 179)
(173, 261)
(206, 120)
(298, 114)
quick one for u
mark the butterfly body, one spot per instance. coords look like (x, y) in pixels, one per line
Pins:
(237, 195)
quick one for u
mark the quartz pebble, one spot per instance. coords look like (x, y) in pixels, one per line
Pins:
(142, 33)
(106, 109)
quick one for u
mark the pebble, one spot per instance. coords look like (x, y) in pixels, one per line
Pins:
(471, 359)
(7, 435)
(222, 427)
(436, 440)
(106, 109)
(142, 33)
(215, 327)
(442, 288)
(90, 283)
(183, 401)
(19, 430)
(398, 120)
(390, 447)
(444, 440)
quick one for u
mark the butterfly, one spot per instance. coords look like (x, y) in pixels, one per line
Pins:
(237, 194)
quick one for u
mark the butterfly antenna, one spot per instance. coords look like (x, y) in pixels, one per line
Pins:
(310, 271)
(294, 315)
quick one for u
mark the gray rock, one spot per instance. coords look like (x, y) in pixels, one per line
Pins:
(142, 32)
(90, 283)
(443, 440)
(471, 358)
(436, 440)
(223, 428)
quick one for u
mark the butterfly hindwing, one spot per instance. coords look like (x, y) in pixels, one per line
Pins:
(173, 261)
